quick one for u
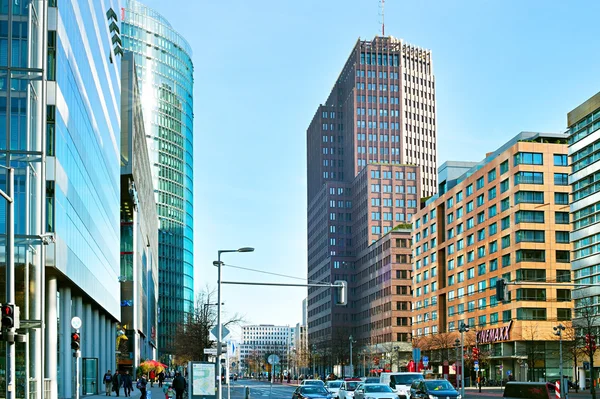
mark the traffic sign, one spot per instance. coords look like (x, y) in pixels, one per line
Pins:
(210, 351)
(273, 359)
(507, 372)
(425, 361)
(76, 323)
(476, 364)
(224, 332)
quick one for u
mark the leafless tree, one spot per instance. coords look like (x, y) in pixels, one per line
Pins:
(587, 318)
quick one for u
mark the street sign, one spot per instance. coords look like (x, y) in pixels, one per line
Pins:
(224, 332)
(507, 372)
(416, 354)
(76, 323)
(425, 361)
(500, 367)
(273, 359)
(210, 351)
(476, 364)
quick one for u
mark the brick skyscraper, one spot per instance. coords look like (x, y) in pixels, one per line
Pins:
(380, 112)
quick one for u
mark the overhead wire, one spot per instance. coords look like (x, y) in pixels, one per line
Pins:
(273, 274)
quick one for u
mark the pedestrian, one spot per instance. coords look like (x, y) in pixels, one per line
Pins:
(161, 378)
(127, 383)
(178, 385)
(116, 382)
(152, 377)
(108, 383)
(141, 385)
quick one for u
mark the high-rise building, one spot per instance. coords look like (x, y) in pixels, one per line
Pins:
(137, 331)
(165, 73)
(380, 112)
(60, 111)
(506, 217)
(260, 341)
(584, 142)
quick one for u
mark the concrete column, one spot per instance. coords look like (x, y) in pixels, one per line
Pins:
(51, 337)
(113, 343)
(77, 310)
(96, 347)
(66, 358)
(87, 331)
(108, 353)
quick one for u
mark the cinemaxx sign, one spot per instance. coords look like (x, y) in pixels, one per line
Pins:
(492, 335)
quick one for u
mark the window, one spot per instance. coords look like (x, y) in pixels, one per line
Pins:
(450, 217)
(505, 223)
(504, 167)
(471, 273)
(531, 275)
(491, 175)
(561, 217)
(563, 276)
(469, 206)
(480, 200)
(506, 316)
(531, 294)
(481, 235)
(563, 314)
(530, 236)
(459, 212)
(470, 223)
(492, 211)
(505, 260)
(529, 178)
(482, 302)
(561, 198)
(480, 217)
(470, 256)
(450, 233)
(530, 255)
(493, 247)
(471, 289)
(504, 186)
(528, 158)
(460, 244)
(459, 196)
(561, 179)
(494, 265)
(481, 252)
(531, 314)
(450, 249)
(494, 318)
(461, 277)
(560, 160)
(469, 189)
(493, 229)
(491, 193)
(470, 239)
(460, 260)
(450, 265)
(529, 197)
(529, 217)
(505, 204)
(506, 241)
(563, 295)
(480, 182)
(563, 257)
(481, 269)
(471, 306)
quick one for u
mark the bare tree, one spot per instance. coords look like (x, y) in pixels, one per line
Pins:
(586, 329)
(534, 348)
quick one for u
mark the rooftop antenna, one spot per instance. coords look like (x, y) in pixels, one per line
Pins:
(382, 15)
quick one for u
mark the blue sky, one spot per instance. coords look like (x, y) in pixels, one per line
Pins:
(262, 68)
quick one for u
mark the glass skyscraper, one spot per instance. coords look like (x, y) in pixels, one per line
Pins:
(165, 73)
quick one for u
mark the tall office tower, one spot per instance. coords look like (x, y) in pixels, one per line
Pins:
(260, 341)
(139, 233)
(584, 142)
(165, 73)
(60, 109)
(380, 111)
(506, 217)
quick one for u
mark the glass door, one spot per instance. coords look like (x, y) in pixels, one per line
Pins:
(89, 376)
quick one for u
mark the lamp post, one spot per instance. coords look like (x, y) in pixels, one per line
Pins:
(351, 365)
(394, 351)
(218, 263)
(463, 328)
(558, 332)
(457, 346)
(314, 350)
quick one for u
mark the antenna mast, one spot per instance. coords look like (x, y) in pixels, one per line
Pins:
(382, 14)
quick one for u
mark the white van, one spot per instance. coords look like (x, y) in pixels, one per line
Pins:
(400, 382)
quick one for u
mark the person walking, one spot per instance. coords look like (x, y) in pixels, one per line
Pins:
(179, 385)
(161, 378)
(116, 382)
(107, 383)
(152, 378)
(141, 385)
(127, 383)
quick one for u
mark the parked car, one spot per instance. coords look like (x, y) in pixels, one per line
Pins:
(371, 380)
(400, 382)
(313, 382)
(334, 387)
(529, 390)
(347, 389)
(311, 392)
(431, 389)
(374, 391)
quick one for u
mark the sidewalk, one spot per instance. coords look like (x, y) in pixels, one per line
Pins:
(157, 393)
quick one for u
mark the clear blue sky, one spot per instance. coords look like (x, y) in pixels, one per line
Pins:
(262, 68)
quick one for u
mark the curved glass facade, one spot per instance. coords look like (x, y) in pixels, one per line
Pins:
(165, 73)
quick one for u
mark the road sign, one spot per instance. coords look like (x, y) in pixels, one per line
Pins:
(507, 372)
(76, 323)
(500, 367)
(273, 359)
(210, 351)
(416, 354)
(224, 332)
(476, 364)
(425, 361)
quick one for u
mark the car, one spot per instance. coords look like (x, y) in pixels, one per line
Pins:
(433, 389)
(311, 392)
(347, 389)
(371, 380)
(529, 390)
(400, 382)
(374, 391)
(313, 382)
(334, 387)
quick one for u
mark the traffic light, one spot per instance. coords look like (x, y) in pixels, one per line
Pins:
(501, 290)
(341, 292)
(590, 343)
(75, 341)
(475, 353)
(10, 316)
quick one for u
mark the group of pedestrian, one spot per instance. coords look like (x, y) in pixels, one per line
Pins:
(114, 382)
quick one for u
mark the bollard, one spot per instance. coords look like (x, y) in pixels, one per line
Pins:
(247, 395)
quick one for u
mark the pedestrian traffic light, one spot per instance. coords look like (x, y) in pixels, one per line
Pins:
(501, 290)
(475, 353)
(341, 292)
(75, 341)
(590, 343)
(10, 317)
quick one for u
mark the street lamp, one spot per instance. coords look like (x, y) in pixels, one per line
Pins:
(457, 346)
(558, 332)
(218, 263)
(351, 365)
(394, 350)
(463, 328)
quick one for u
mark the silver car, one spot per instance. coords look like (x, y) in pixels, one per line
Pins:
(375, 391)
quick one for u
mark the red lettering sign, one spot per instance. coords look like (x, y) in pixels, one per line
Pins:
(494, 334)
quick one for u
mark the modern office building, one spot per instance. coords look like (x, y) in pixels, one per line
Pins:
(139, 232)
(584, 144)
(165, 73)
(505, 217)
(62, 137)
(381, 111)
(260, 341)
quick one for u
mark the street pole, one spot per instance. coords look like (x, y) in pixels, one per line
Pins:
(462, 364)
(457, 346)
(313, 358)
(351, 365)
(10, 275)
(558, 331)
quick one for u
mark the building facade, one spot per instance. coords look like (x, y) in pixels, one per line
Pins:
(379, 115)
(137, 332)
(260, 341)
(165, 73)
(505, 217)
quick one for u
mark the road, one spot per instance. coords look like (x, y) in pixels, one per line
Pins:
(264, 390)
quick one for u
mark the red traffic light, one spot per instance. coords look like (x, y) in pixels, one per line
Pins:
(8, 313)
(75, 341)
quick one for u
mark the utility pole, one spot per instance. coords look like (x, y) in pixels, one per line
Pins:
(463, 328)
(558, 331)
(9, 330)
